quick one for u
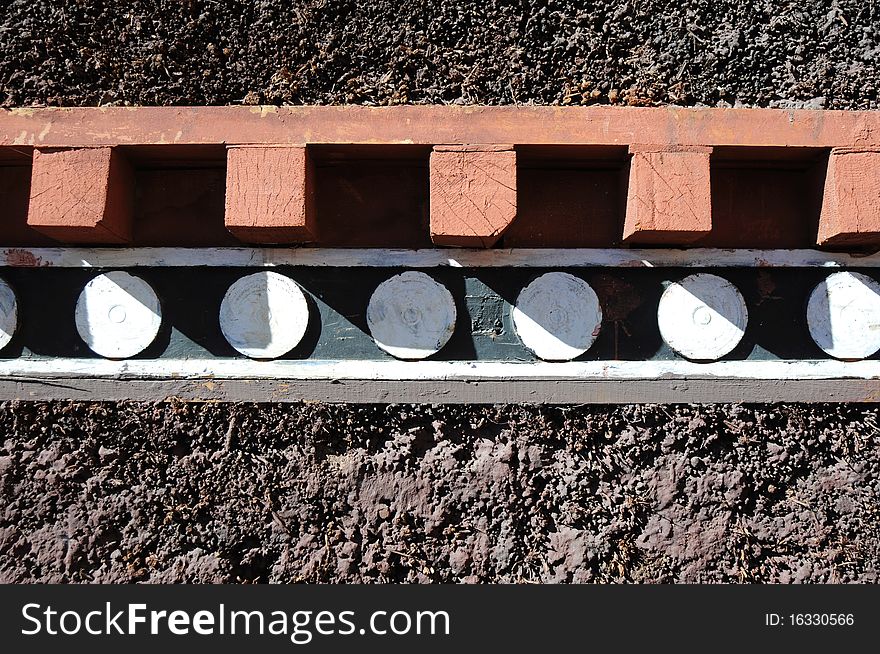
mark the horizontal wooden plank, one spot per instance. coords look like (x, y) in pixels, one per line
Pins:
(430, 258)
(429, 125)
(329, 370)
(451, 392)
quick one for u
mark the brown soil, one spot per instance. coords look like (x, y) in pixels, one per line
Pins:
(813, 53)
(285, 493)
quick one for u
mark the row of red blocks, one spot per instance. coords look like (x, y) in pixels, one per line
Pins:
(84, 195)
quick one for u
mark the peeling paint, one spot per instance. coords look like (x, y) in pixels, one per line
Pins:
(21, 258)
(264, 110)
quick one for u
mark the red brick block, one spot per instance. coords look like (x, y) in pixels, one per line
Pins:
(270, 194)
(82, 195)
(851, 204)
(669, 199)
(473, 194)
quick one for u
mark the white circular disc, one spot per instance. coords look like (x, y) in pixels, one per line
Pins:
(118, 315)
(411, 316)
(264, 315)
(557, 316)
(8, 313)
(843, 315)
(702, 317)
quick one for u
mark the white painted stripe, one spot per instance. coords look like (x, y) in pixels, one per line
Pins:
(436, 370)
(432, 258)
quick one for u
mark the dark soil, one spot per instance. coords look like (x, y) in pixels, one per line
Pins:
(813, 53)
(223, 492)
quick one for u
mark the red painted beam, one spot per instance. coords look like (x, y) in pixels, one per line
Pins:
(851, 207)
(430, 125)
(670, 196)
(270, 194)
(473, 194)
(81, 195)
(410, 176)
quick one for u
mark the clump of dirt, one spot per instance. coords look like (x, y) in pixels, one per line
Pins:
(818, 54)
(306, 492)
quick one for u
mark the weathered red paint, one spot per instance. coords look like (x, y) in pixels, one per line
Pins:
(270, 194)
(851, 206)
(430, 125)
(81, 195)
(670, 197)
(473, 194)
(711, 177)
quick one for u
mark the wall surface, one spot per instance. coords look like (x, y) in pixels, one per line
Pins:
(259, 492)
(812, 53)
(281, 493)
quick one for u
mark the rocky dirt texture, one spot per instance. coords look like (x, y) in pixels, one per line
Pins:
(811, 53)
(284, 493)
